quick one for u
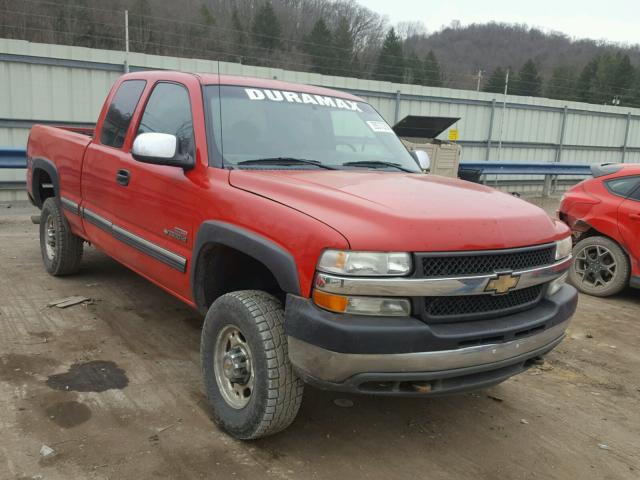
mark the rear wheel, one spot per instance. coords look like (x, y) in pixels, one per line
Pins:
(61, 249)
(600, 267)
(250, 383)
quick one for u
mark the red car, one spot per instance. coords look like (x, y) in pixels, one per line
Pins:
(604, 215)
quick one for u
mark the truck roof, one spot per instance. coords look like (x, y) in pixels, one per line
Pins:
(213, 79)
(240, 80)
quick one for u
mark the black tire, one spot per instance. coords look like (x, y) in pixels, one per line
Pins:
(600, 267)
(61, 249)
(276, 391)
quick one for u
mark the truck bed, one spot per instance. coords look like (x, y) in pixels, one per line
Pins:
(62, 147)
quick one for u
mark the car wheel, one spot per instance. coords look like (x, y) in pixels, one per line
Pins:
(61, 249)
(250, 383)
(600, 267)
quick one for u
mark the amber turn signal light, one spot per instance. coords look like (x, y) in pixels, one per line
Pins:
(329, 301)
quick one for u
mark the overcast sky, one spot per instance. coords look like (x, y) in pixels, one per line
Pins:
(613, 20)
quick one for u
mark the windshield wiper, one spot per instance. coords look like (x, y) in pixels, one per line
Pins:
(376, 164)
(285, 161)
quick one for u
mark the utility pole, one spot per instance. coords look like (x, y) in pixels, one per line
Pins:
(126, 41)
(504, 110)
(479, 78)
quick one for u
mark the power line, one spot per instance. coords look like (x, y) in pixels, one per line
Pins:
(184, 36)
(217, 28)
(84, 21)
(451, 77)
(71, 5)
(65, 32)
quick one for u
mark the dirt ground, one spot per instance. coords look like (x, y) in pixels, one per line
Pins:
(114, 388)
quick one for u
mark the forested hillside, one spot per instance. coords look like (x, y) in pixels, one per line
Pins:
(340, 37)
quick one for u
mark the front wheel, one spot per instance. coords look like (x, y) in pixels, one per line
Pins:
(600, 267)
(250, 383)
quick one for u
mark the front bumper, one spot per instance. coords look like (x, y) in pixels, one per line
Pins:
(405, 356)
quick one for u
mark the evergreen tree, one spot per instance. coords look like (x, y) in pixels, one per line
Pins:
(495, 83)
(266, 30)
(607, 79)
(528, 81)
(241, 43)
(432, 74)
(623, 76)
(318, 46)
(390, 65)
(343, 49)
(415, 70)
(562, 84)
(207, 17)
(585, 81)
(634, 94)
(602, 89)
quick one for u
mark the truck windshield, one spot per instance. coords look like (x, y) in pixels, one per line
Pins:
(267, 128)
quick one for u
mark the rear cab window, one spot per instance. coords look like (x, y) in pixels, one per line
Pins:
(624, 186)
(118, 117)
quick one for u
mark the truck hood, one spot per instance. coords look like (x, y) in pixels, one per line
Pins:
(405, 212)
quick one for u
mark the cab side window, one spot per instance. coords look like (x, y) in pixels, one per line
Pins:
(169, 111)
(118, 117)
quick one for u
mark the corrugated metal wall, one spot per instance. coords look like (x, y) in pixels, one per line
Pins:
(40, 82)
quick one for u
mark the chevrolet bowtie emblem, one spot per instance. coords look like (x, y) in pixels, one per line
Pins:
(503, 283)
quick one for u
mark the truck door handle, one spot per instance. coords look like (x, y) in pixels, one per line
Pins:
(634, 216)
(122, 177)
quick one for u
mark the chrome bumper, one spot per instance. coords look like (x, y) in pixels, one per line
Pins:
(328, 366)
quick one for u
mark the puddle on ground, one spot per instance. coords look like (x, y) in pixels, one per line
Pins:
(68, 414)
(94, 376)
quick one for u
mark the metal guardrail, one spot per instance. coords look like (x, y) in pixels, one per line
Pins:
(517, 168)
(550, 170)
(17, 158)
(13, 158)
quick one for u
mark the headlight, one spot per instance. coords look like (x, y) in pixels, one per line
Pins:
(365, 263)
(563, 248)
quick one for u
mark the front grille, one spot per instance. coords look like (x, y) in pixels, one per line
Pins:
(471, 307)
(478, 263)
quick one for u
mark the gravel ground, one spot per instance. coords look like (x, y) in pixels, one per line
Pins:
(114, 388)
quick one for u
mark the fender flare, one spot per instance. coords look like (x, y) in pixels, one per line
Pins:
(280, 262)
(47, 166)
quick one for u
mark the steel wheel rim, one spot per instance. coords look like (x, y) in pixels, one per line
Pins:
(50, 238)
(595, 266)
(233, 368)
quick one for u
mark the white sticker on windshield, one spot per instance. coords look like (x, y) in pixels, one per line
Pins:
(379, 127)
(295, 97)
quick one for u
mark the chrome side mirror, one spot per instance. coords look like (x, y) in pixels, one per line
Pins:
(160, 149)
(422, 158)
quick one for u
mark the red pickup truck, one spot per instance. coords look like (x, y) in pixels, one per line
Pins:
(295, 220)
